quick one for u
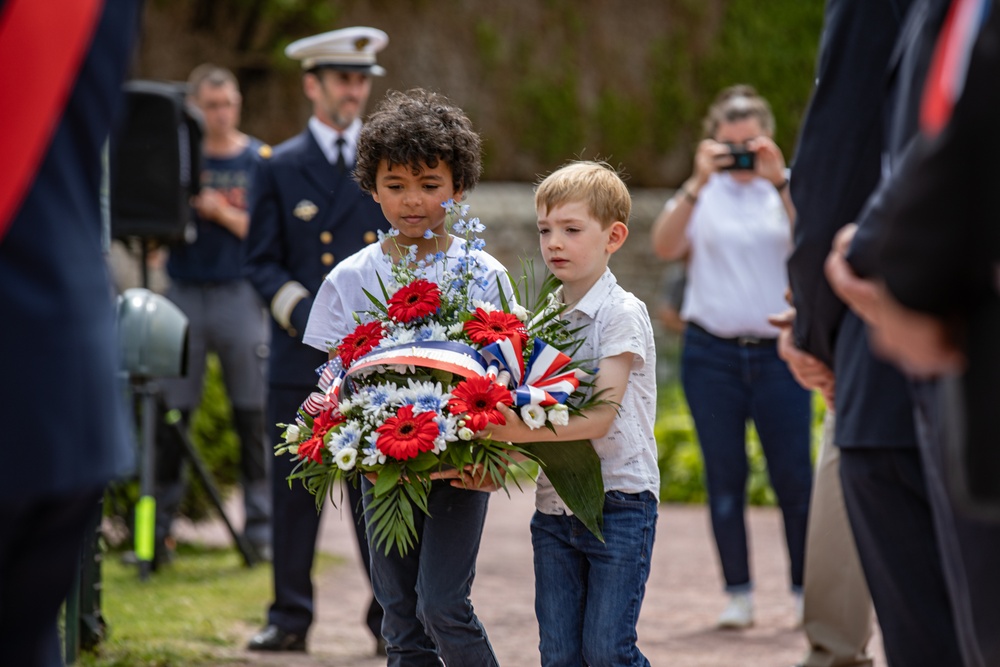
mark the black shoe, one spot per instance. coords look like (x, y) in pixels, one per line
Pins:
(273, 638)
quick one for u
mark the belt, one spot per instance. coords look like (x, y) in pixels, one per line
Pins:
(742, 341)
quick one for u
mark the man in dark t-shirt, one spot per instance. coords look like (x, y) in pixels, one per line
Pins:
(225, 314)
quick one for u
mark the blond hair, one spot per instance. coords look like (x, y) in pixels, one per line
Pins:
(595, 184)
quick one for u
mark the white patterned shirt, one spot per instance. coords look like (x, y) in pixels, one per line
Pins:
(342, 293)
(616, 321)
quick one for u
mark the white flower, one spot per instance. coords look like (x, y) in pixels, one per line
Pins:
(432, 331)
(373, 455)
(400, 336)
(485, 305)
(559, 415)
(292, 433)
(456, 328)
(465, 433)
(345, 458)
(348, 436)
(519, 311)
(533, 416)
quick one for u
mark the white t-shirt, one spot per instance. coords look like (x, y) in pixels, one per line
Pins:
(740, 240)
(616, 321)
(342, 292)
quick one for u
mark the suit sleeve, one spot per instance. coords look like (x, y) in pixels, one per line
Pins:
(266, 255)
(941, 242)
(837, 163)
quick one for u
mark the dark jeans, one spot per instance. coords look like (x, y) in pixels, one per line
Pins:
(886, 499)
(970, 547)
(726, 384)
(588, 593)
(425, 594)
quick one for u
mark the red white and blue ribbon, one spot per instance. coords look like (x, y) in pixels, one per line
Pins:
(456, 358)
(950, 62)
(543, 381)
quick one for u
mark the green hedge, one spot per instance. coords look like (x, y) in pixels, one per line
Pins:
(681, 466)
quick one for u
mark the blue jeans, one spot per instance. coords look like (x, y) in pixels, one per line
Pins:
(425, 594)
(727, 383)
(588, 593)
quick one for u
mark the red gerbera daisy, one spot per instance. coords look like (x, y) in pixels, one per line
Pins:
(476, 399)
(418, 299)
(359, 343)
(313, 447)
(404, 436)
(485, 328)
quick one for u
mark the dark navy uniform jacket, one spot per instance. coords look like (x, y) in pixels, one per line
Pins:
(61, 402)
(304, 217)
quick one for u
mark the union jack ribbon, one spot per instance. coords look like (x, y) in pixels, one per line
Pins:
(542, 381)
(950, 62)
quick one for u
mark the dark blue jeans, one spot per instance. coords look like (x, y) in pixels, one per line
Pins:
(425, 594)
(726, 383)
(588, 593)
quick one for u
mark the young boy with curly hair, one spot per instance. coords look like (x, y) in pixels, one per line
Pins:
(416, 152)
(588, 593)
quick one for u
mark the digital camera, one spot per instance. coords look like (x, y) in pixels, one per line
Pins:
(743, 160)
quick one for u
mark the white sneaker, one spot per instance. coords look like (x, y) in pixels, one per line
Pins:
(799, 609)
(738, 613)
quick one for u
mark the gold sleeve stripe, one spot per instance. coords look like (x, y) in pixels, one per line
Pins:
(285, 300)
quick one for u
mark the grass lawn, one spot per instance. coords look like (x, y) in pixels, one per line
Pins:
(191, 612)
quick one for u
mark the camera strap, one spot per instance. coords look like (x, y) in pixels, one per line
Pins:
(42, 46)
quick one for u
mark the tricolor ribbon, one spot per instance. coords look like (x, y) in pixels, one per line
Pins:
(542, 381)
(456, 358)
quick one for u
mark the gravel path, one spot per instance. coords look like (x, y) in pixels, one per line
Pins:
(676, 627)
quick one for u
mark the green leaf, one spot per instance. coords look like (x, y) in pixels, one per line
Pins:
(387, 479)
(423, 461)
(574, 469)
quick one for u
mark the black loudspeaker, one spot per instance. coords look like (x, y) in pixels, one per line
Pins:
(154, 163)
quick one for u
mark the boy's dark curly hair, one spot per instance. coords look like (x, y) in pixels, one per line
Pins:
(415, 128)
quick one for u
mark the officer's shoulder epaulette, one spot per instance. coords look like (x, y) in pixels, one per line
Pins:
(265, 151)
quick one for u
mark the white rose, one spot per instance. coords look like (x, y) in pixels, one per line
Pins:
(520, 312)
(292, 434)
(559, 415)
(345, 458)
(533, 416)
(465, 433)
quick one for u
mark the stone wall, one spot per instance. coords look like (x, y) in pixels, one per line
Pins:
(508, 211)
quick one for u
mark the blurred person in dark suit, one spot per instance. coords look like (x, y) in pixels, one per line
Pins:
(929, 258)
(60, 397)
(307, 213)
(881, 469)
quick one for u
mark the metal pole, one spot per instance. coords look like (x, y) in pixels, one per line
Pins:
(145, 509)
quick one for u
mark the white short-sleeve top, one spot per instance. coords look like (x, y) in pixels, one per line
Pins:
(342, 292)
(616, 321)
(740, 240)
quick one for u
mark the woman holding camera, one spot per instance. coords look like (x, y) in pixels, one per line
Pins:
(732, 217)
